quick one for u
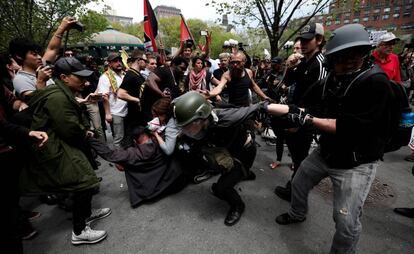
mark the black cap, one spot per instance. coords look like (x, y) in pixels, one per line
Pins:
(71, 65)
(310, 30)
(112, 56)
(277, 60)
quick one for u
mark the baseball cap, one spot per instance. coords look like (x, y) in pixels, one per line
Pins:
(388, 37)
(310, 30)
(112, 56)
(71, 65)
(277, 60)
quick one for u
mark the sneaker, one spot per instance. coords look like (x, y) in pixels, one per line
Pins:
(28, 232)
(89, 236)
(98, 214)
(202, 177)
(31, 215)
(285, 219)
(409, 157)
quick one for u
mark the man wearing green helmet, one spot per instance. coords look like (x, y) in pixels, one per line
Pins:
(223, 138)
(351, 108)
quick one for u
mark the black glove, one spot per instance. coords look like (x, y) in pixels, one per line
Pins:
(299, 117)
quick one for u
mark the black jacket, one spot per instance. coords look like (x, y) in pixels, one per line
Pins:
(362, 116)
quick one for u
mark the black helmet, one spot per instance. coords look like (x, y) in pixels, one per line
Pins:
(189, 107)
(348, 36)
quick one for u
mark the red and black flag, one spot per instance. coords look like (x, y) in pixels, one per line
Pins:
(150, 28)
(185, 32)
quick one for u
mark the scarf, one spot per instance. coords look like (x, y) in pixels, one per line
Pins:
(112, 80)
(197, 80)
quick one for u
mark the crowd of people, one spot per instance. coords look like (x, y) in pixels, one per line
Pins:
(183, 118)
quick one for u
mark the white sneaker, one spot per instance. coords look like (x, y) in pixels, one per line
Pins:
(88, 235)
(98, 214)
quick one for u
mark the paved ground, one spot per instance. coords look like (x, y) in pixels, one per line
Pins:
(192, 220)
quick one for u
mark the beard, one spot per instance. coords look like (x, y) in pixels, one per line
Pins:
(236, 72)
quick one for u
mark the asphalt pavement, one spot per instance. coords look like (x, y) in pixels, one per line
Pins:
(192, 221)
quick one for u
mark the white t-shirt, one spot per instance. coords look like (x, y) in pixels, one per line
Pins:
(118, 107)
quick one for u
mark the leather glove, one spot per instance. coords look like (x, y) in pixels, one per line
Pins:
(299, 117)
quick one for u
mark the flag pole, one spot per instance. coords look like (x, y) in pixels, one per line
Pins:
(191, 35)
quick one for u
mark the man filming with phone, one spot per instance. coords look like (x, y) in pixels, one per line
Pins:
(36, 70)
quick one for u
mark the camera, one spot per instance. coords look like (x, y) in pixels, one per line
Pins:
(240, 46)
(78, 26)
(203, 33)
(189, 43)
(49, 64)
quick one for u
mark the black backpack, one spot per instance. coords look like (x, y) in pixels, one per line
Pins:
(400, 114)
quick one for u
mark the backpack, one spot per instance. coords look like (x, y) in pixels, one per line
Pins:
(401, 117)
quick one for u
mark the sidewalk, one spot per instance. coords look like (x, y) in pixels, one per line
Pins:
(192, 220)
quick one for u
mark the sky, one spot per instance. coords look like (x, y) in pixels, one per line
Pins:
(189, 8)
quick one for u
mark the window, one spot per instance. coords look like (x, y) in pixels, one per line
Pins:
(337, 22)
(396, 15)
(387, 10)
(385, 17)
(357, 13)
(375, 17)
(397, 9)
(328, 23)
(365, 19)
(366, 13)
(407, 14)
(407, 27)
(377, 10)
(355, 20)
(346, 21)
(347, 14)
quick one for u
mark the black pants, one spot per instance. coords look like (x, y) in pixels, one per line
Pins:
(224, 188)
(280, 134)
(82, 202)
(299, 144)
(11, 217)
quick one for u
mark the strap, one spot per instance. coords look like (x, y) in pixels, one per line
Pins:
(112, 81)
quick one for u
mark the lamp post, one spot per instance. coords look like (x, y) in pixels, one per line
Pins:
(287, 46)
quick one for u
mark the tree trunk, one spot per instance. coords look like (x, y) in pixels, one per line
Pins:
(274, 49)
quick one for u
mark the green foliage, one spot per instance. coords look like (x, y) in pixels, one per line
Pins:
(38, 19)
(270, 16)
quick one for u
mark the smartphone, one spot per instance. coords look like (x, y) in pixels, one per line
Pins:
(203, 33)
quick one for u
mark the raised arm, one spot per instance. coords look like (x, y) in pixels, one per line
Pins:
(54, 44)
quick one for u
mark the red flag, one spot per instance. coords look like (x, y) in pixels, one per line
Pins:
(150, 28)
(185, 32)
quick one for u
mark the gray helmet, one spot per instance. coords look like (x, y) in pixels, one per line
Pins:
(189, 107)
(348, 36)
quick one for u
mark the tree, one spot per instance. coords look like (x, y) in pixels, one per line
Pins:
(38, 19)
(271, 15)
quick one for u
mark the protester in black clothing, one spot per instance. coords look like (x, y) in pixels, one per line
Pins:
(150, 174)
(13, 138)
(299, 78)
(131, 91)
(164, 81)
(353, 110)
(274, 82)
(238, 81)
(223, 139)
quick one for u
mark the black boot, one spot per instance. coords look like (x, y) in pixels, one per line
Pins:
(284, 193)
(234, 215)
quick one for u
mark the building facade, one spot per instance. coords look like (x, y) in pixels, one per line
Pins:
(163, 11)
(375, 15)
(119, 19)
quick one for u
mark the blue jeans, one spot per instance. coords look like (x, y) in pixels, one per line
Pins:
(350, 186)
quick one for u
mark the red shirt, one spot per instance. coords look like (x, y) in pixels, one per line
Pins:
(391, 65)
